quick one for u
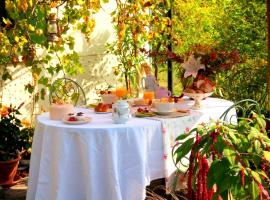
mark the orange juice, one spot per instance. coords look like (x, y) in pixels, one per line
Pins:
(148, 95)
(120, 92)
(164, 100)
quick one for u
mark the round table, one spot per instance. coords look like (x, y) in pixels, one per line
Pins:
(105, 161)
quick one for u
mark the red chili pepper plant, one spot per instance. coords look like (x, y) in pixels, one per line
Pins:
(226, 161)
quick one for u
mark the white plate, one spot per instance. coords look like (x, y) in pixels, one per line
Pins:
(85, 121)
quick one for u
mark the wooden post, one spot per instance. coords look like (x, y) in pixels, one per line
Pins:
(170, 66)
(268, 58)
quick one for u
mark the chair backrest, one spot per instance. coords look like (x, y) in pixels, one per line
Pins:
(243, 108)
(67, 89)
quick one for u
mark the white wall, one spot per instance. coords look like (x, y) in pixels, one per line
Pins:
(98, 67)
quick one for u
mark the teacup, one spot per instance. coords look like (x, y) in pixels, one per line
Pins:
(164, 106)
(109, 98)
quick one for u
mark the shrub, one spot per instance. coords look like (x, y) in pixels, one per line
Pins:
(226, 159)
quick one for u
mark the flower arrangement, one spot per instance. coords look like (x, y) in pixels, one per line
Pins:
(14, 138)
(202, 63)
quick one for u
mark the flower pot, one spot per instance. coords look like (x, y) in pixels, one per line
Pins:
(8, 170)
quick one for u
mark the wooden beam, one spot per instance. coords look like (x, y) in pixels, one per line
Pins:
(268, 59)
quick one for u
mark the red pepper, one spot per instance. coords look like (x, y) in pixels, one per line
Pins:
(261, 188)
(243, 176)
(205, 169)
(210, 194)
(198, 139)
(263, 193)
(263, 167)
(190, 175)
(199, 188)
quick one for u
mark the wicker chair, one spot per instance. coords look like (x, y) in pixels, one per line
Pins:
(67, 89)
(243, 108)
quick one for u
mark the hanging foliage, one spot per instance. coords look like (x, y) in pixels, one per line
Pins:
(36, 35)
(144, 29)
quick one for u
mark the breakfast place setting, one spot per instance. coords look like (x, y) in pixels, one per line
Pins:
(101, 142)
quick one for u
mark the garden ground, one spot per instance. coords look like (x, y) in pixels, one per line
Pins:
(16, 192)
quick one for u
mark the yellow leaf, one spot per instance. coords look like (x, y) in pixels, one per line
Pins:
(16, 39)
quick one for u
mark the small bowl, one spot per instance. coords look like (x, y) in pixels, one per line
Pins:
(164, 106)
(109, 98)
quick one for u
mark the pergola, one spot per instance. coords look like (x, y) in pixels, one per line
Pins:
(268, 48)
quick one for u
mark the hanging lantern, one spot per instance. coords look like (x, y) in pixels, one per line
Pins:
(53, 30)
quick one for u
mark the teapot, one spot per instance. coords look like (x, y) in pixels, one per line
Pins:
(162, 92)
(121, 112)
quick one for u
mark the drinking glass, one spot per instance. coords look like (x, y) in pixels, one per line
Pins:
(120, 92)
(148, 96)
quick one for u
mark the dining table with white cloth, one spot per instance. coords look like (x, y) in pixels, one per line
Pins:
(101, 160)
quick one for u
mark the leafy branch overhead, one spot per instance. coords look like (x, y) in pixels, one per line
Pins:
(25, 37)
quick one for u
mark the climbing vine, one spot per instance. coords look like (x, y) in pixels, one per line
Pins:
(144, 30)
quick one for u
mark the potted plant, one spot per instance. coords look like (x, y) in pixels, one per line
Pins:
(14, 141)
(226, 161)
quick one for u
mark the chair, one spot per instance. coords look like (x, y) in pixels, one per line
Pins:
(243, 108)
(68, 90)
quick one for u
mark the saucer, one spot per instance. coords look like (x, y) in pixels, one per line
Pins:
(163, 112)
(149, 114)
(103, 112)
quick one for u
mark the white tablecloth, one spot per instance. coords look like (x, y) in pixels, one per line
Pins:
(106, 161)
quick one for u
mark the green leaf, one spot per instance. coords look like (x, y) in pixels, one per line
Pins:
(261, 122)
(38, 39)
(257, 146)
(42, 93)
(184, 149)
(253, 133)
(224, 195)
(217, 169)
(224, 183)
(253, 190)
(267, 155)
(200, 129)
(232, 135)
(206, 147)
(6, 75)
(256, 176)
(219, 144)
(182, 136)
(230, 154)
(262, 173)
(204, 139)
(43, 80)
